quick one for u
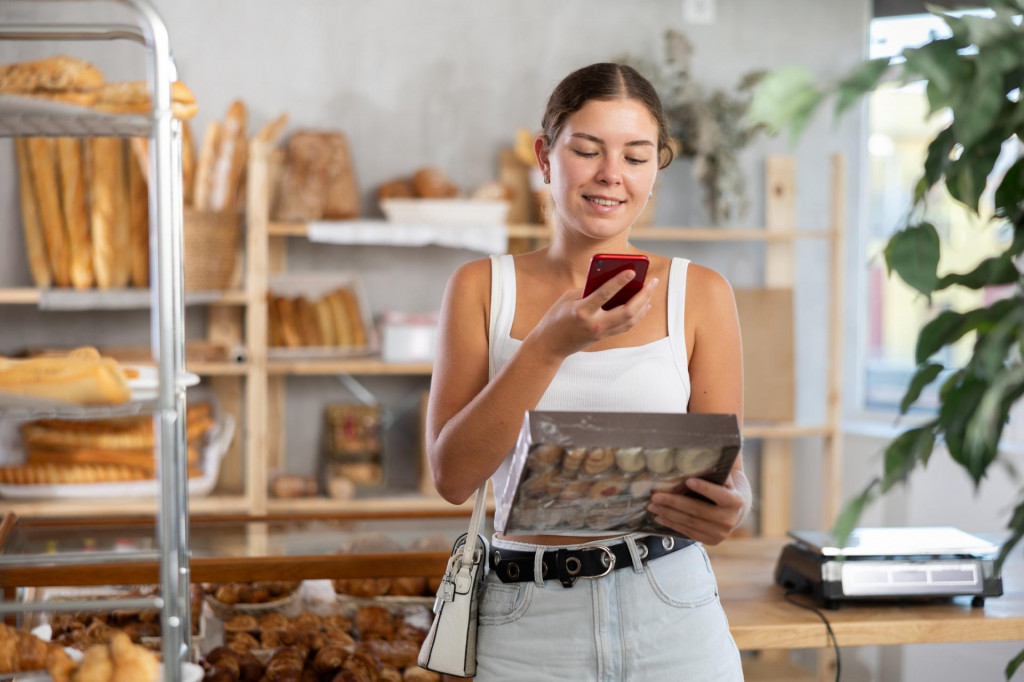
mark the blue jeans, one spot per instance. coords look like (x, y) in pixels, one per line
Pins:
(662, 623)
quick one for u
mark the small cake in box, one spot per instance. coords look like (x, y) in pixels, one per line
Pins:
(593, 473)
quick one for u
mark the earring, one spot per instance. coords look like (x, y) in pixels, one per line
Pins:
(651, 195)
(547, 179)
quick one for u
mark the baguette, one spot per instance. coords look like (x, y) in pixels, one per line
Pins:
(35, 242)
(80, 381)
(132, 97)
(204, 166)
(136, 435)
(42, 155)
(111, 215)
(138, 224)
(76, 213)
(188, 163)
(139, 458)
(229, 158)
(55, 73)
(270, 134)
(274, 336)
(119, 425)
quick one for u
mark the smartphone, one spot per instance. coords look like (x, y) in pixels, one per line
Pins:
(604, 266)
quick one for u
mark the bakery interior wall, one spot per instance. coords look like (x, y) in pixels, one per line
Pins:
(447, 83)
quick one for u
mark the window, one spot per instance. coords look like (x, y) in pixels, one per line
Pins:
(900, 130)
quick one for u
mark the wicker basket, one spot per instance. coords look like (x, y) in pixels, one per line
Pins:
(211, 249)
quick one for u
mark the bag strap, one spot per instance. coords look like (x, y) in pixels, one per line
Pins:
(476, 522)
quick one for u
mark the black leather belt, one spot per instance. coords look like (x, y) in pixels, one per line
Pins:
(568, 565)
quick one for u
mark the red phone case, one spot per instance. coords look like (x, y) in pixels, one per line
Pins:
(604, 266)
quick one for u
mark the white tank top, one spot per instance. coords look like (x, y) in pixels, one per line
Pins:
(648, 378)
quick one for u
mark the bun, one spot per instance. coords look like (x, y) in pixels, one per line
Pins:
(398, 188)
(431, 183)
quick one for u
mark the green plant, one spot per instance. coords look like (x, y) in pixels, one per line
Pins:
(977, 74)
(708, 127)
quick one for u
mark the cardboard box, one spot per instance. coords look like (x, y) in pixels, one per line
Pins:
(592, 473)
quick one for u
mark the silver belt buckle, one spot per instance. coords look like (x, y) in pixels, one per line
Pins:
(611, 562)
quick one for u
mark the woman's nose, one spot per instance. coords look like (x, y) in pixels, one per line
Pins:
(609, 172)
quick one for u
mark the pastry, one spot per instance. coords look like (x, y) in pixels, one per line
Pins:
(545, 456)
(132, 663)
(329, 658)
(630, 460)
(575, 490)
(598, 461)
(132, 97)
(374, 621)
(417, 674)
(573, 459)
(641, 486)
(408, 587)
(390, 674)
(361, 666)
(42, 156)
(659, 460)
(51, 74)
(396, 189)
(608, 487)
(695, 460)
(672, 484)
(398, 653)
(241, 623)
(337, 623)
(46, 474)
(35, 241)
(76, 216)
(536, 486)
(362, 587)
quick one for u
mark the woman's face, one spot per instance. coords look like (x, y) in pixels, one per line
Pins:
(602, 166)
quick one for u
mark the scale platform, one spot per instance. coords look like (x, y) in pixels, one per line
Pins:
(890, 563)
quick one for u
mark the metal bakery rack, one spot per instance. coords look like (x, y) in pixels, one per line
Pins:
(21, 116)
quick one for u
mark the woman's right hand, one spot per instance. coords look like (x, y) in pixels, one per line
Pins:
(573, 323)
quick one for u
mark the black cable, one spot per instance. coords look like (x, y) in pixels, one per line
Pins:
(828, 627)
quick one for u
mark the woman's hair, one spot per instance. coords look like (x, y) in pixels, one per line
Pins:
(604, 81)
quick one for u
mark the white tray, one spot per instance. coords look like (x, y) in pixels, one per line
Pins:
(218, 439)
(446, 212)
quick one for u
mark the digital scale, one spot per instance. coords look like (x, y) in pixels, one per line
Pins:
(890, 563)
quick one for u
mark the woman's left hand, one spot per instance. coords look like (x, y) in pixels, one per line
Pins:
(699, 520)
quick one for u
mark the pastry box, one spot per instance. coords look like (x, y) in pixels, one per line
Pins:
(592, 473)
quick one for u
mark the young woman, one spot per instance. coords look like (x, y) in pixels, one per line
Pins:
(673, 347)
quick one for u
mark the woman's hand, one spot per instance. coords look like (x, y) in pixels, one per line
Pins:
(699, 520)
(574, 323)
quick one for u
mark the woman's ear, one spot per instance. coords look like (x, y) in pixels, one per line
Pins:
(540, 148)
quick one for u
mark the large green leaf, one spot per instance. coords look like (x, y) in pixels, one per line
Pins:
(910, 448)
(946, 71)
(914, 254)
(954, 415)
(996, 270)
(924, 376)
(938, 159)
(1010, 193)
(1013, 665)
(985, 427)
(948, 326)
(851, 513)
(992, 350)
(975, 114)
(786, 97)
(966, 177)
(1016, 533)
(862, 80)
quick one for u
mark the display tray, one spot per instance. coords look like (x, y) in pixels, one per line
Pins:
(446, 212)
(215, 445)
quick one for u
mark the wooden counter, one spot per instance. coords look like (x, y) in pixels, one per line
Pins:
(760, 617)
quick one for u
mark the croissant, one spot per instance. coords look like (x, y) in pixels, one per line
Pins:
(375, 622)
(329, 658)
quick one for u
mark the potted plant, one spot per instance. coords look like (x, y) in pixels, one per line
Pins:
(976, 74)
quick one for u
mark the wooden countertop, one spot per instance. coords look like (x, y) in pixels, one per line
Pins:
(760, 618)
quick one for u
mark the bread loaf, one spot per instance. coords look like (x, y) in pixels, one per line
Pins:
(138, 224)
(43, 159)
(188, 163)
(35, 242)
(307, 319)
(111, 214)
(398, 188)
(133, 97)
(432, 183)
(81, 381)
(288, 320)
(339, 315)
(142, 459)
(76, 214)
(55, 73)
(302, 192)
(44, 474)
(271, 133)
(328, 335)
(355, 318)
(342, 189)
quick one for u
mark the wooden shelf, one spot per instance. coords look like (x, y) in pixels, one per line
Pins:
(217, 369)
(684, 234)
(411, 503)
(757, 670)
(787, 430)
(137, 298)
(358, 366)
(53, 508)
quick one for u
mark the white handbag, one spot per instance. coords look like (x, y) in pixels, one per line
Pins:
(450, 646)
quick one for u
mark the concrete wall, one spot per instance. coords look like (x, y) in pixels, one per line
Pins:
(447, 83)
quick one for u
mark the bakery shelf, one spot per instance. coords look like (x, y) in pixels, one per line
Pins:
(29, 117)
(700, 234)
(91, 508)
(218, 369)
(358, 366)
(786, 430)
(96, 299)
(414, 503)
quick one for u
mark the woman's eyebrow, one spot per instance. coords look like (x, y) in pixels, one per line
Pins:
(593, 138)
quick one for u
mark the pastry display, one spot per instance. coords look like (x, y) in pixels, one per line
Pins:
(22, 651)
(585, 474)
(334, 320)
